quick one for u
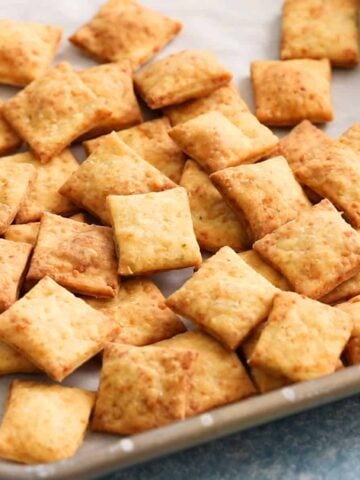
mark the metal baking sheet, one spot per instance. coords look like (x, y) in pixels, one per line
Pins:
(237, 31)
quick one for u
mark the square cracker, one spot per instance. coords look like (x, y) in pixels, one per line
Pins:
(161, 223)
(255, 261)
(159, 397)
(218, 375)
(266, 194)
(321, 29)
(113, 169)
(37, 438)
(300, 141)
(140, 309)
(287, 92)
(26, 50)
(53, 111)
(180, 77)
(152, 142)
(344, 291)
(225, 297)
(351, 138)
(315, 252)
(125, 29)
(112, 84)
(9, 139)
(302, 339)
(216, 143)
(28, 232)
(13, 260)
(333, 171)
(78, 256)
(265, 381)
(44, 195)
(55, 330)
(226, 100)
(15, 184)
(12, 361)
(352, 349)
(215, 224)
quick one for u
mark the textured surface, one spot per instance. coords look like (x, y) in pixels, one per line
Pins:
(216, 142)
(153, 143)
(80, 334)
(140, 309)
(78, 256)
(321, 29)
(159, 397)
(159, 221)
(53, 430)
(266, 194)
(113, 169)
(314, 268)
(293, 90)
(44, 195)
(53, 111)
(218, 375)
(226, 297)
(112, 83)
(322, 444)
(26, 50)
(215, 224)
(182, 76)
(125, 29)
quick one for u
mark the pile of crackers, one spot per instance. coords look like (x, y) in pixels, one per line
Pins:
(278, 302)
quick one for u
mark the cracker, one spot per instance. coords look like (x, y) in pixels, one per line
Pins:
(112, 84)
(26, 50)
(9, 139)
(266, 194)
(318, 29)
(180, 77)
(13, 362)
(344, 291)
(55, 428)
(351, 138)
(113, 169)
(28, 232)
(160, 396)
(152, 142)
(161, 223)
(78, 256)
(299, 142)
(218, 376)
(225, 297)
(216, 143)
(265, 381)
(44, 195)
(53, 111)
(287, 92)
(352, 349)
(125, 29)
(15, 184)
(141, 312)
(255, 261)
(13, 260)
(315, 252)
(333, 171)
(226, 100)
(215, 224)
(55, 330)
(302, 339)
